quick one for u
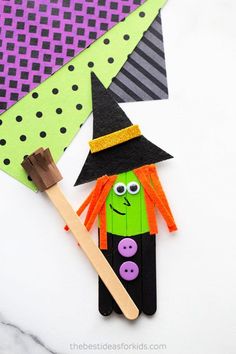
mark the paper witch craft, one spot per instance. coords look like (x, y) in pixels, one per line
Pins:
(125, 197)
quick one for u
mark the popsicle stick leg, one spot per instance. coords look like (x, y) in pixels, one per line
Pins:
(105, 300)
(149, 298)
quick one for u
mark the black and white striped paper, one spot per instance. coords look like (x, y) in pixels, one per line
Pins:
(143, 77)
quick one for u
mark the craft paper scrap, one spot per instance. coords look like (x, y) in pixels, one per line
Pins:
(38, 36)
(143, 76)
(51, 115)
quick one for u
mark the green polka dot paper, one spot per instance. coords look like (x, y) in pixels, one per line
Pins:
(51, 115)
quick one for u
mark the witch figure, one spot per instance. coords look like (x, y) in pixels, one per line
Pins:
(127, 192)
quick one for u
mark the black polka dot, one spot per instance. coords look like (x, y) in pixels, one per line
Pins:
(81, 125)
(35, 95)
(23, 138)
(75, 87)
(126, 37)
(79, 106)
(63, 130)
(65, 148)
(110, 60)
(19, 118)
(71, 67)
(42, 134)
(39, 114)
(0, 122)
(59, 111)
(55, 91)
(6, 162)
(90, 64)
(2, 142)
(106, 41)
(142, 14)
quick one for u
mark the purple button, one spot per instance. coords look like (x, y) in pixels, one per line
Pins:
(129, 270)
(127, 247)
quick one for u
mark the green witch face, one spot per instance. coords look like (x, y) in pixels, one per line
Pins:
(125, 207)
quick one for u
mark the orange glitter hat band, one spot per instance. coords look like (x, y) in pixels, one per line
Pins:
(113, 139)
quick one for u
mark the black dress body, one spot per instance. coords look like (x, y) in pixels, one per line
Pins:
(134, 261)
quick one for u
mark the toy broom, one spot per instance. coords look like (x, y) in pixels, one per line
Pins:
(125, 196)
(44, 173)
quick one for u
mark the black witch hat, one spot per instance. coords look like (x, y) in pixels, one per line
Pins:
(118, 145)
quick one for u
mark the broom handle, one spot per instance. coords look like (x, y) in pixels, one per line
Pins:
(93, 253)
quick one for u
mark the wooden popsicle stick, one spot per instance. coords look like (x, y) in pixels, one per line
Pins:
(45, 174)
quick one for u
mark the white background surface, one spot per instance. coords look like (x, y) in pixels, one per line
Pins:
(48, 296)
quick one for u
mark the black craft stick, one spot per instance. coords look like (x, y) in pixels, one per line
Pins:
(105, 300)
(149, 301)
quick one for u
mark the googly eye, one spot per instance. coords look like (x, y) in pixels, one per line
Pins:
(119, 188)
(133, 187)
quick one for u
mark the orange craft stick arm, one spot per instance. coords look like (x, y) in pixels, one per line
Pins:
(103, 230)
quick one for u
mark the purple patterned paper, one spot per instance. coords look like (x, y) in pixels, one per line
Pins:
(37, 37)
